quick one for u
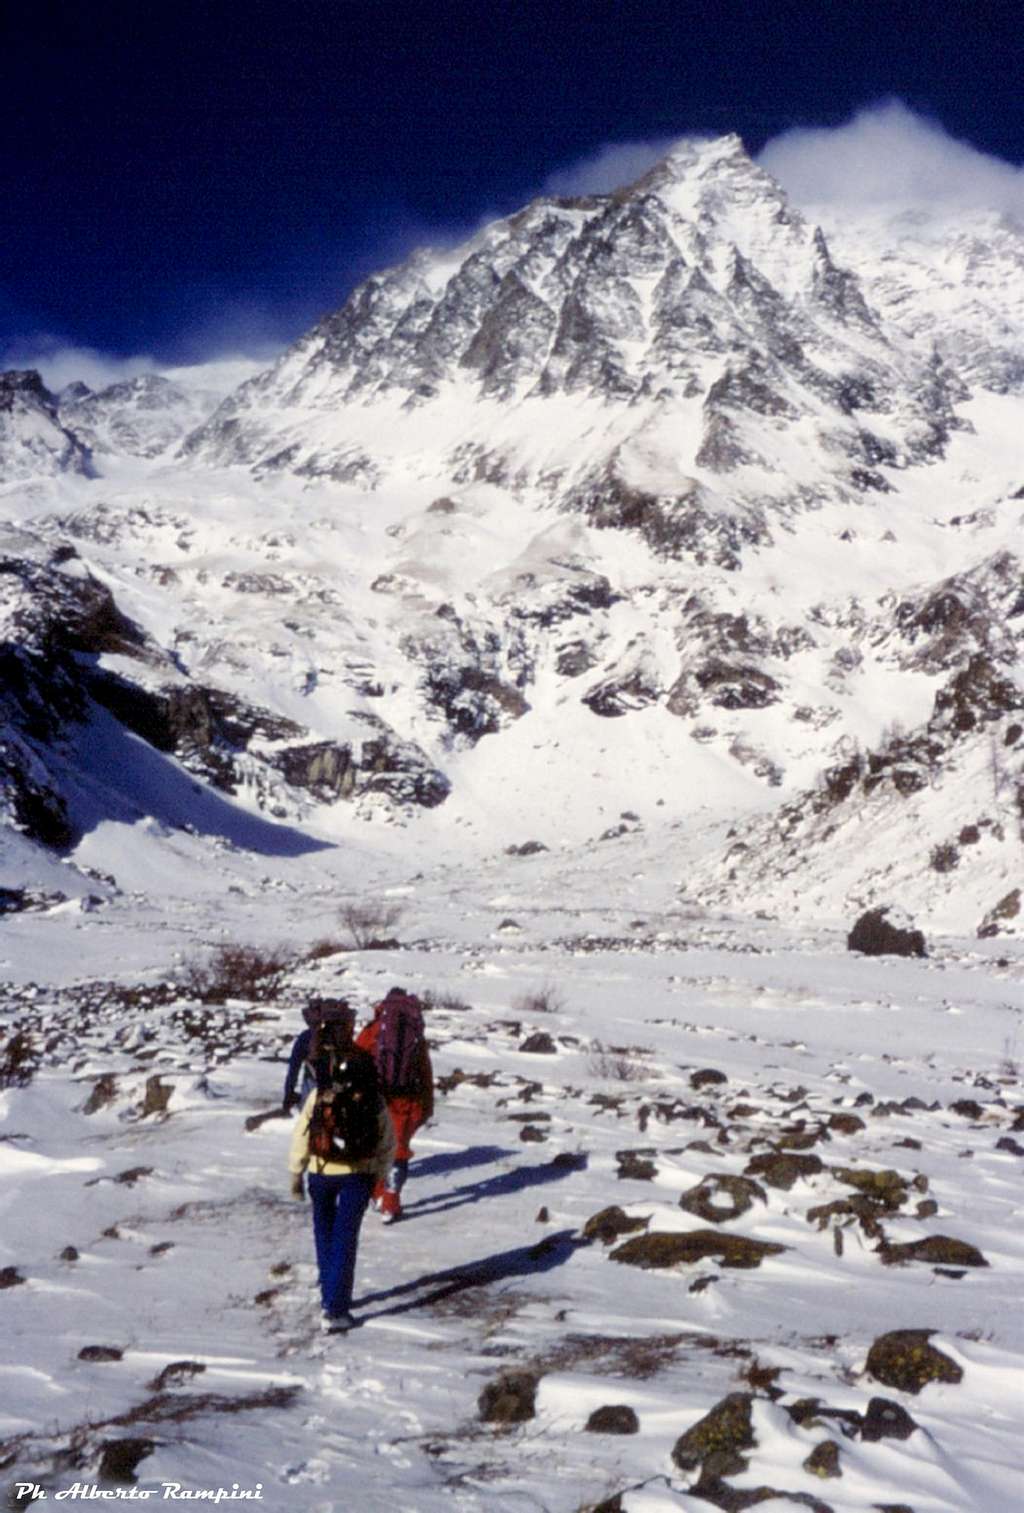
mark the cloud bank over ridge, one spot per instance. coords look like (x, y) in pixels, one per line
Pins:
(888, 155)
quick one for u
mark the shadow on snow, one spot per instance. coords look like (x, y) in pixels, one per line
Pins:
(117, 776)
(525, 1261)
(516, 1181)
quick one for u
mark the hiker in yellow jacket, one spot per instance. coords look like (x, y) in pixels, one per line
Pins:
(344, 1142)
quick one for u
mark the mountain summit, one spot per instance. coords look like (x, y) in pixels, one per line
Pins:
(671, 503)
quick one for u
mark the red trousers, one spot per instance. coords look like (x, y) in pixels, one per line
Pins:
(407, 1114)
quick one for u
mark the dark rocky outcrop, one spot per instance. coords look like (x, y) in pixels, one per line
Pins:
(885, 1419)
(660, 1251)
(716, 1442)
(906, 1359)
(637, 1165)
(610, 1223)
(876, 935)
(782, 1168)
(613, 1418)
(719, 1198)
(824, 1460)
(939, 1250)
(539, 1043)
(511, 1399)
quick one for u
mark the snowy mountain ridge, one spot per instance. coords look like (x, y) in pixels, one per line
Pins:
(662, 501)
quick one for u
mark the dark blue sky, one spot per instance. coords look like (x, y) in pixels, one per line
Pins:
(184, 178)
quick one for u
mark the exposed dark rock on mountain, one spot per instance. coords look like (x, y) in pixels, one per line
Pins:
(675, 449)
(33, 441)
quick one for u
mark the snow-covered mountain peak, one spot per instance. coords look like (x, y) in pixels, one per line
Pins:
(33, 441)
(673, 492)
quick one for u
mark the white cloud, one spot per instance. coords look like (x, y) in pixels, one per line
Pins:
(60, 363)
(889, 156)
(609, 168)
(219, 355)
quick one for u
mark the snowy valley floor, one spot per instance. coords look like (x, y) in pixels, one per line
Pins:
(682, 1048)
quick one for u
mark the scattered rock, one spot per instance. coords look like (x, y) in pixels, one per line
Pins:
(719, 1198)
(781, 1169)
(846, 1124)
(610, 1223)
(100, 1353)
(799, 1138)
(527, 848)
(104, 1091)
(539, 1044)
(156, 1098)
(886, 1420)
(175, 1374)
(1013, 1147)
(10, 1276)
(133, 1174)
(637, 1165)
(613, 1418)
(967, 1108)
(1006, 909)
(69, 1253)
(886, 1189)
(823, 1460)
(511, 1399)
(940, 1250)
(542, 1216)
(708, 1076)
(716, 1441)
(904, 1359)
(532, 1133)
(120, 1458)
(660, 1251)
(875, 935)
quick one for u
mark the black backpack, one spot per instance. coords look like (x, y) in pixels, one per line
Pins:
(344, 1125)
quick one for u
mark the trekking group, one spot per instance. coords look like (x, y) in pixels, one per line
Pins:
(361, 1099)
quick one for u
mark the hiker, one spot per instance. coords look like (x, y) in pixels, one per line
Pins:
(316, 1012)
(395, 1039)
(343, 1142)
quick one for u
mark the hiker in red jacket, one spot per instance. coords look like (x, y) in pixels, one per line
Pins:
(395, 1039)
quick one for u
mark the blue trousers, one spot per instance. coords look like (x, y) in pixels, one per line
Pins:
(339, 1204)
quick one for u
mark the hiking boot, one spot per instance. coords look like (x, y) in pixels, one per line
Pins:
(377, 1197)
(337, 1323)
(390, 1207)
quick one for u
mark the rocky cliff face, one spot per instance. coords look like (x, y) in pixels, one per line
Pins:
(665, 497)
(696, 316)
(33, 441)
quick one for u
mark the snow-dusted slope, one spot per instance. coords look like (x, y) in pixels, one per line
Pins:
(660, 502)
(611, 608)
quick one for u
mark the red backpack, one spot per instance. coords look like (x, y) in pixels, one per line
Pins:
(400, 1044)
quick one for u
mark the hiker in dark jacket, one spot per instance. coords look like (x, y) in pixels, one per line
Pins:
(316, 1012)
(339, 1184)
(395, 1039)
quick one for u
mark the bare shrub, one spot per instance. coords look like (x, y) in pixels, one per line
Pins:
(252, 972)
(543, 1000)
(369, 922)
(445, 1000)
(321, 949)
(617, 1064)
